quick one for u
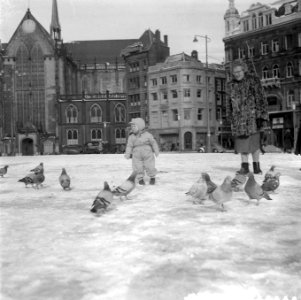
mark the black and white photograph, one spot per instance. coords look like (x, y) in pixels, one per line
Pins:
(150, 150)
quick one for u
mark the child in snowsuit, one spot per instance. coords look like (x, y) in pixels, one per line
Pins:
(142, 146)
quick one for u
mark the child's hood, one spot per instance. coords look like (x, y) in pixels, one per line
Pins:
(139, 123)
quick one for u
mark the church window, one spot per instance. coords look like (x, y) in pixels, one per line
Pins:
(72, 137)
(254, 22)
(119, 113)
(71, 113)
(96, 114)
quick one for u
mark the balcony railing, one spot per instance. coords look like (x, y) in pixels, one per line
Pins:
(271, 82)
(99, 96)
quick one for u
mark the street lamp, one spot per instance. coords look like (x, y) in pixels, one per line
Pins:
(207, 39)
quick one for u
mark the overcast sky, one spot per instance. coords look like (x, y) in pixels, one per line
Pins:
(128, 19)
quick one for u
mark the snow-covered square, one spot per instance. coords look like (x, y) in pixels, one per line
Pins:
(158, 245)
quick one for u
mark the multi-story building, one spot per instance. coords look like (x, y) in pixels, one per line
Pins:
(147, 51)
(55, 93)
(268, 39)
(178, 111)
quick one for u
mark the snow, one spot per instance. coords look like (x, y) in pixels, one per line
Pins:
(157, 245)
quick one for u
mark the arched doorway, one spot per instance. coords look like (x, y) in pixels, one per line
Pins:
(27, 146)
(188, 140)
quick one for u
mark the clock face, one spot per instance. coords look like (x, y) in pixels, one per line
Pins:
(28, 26)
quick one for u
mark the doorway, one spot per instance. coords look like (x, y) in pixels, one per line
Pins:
(188, 140)
(27, 146)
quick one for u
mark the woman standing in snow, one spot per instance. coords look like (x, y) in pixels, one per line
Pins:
(247, 110)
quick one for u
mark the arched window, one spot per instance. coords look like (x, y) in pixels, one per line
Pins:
(71, 113)
(276, 72)
(290, 98)
(117, 133)
(289, 70)
(96, 135)
(119, 113)
(95, 113)
(254, 21)
(72, 136)
(265, 73)
(123, 135)
(260, 20)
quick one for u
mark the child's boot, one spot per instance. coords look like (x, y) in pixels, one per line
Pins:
(244, 168)
(141, 182)
(256, 168)
(152, 181)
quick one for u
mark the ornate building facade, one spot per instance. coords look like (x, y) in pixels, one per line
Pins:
(268, 39)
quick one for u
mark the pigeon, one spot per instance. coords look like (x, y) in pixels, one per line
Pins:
(254, 190)
(222, 193)
(35, 179)
(270, 184)
(28, 179)
(198, 190)
(64, 180)
(126, 187)
(103, 199)
(3, 171)
(270, 173)
(238, 181)
(211, 186)
(38, 168)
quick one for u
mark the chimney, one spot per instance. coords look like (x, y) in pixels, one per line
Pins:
(195, 55)
(158, 35)
(288, 8)
(166, 39)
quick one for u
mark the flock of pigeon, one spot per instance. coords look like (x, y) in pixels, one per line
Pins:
(104, 198)
(200, 191)
(205, 189)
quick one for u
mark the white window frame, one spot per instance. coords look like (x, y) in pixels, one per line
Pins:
(96, 130)
(74, 139)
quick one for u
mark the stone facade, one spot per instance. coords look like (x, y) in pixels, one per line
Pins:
(268, 39)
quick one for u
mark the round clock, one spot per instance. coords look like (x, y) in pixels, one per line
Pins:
(28, 26)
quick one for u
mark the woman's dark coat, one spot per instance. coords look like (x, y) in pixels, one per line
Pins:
(246, 105)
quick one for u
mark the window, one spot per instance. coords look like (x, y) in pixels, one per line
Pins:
(119, 113)
(251, 51)
(198, 78)
(299, 39)
(186, 78)
(134, 67)
(289, 70)
(154, 82)
(187, 114)
(265, 73)
(276, 73)
(163, 80)
(268, 19)
(254, 22)
(72, 137)
(95, 114)
(175, 115)
(275, 46)
(200, 114)
(174, 94)
(145, 81)
(241, 52)
(246, 25)
(71, 114)
(264, 48)
(174, 78)
(120, 137)
(288, 41)
(260, 20)
(96, 134)
(164, 95)
(154, 96)
(199, 93)
(290, 98)
(186, 93)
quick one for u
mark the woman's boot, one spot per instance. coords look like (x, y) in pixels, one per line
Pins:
(256, 168)
(244, 168)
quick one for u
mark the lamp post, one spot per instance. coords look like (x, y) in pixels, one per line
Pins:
(294, 122)
(208, 146)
